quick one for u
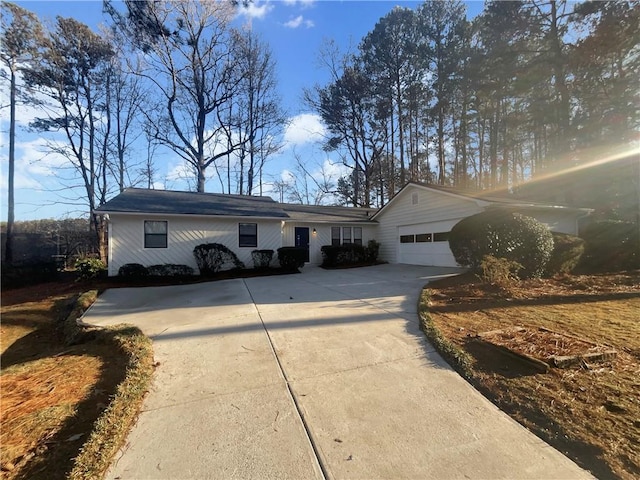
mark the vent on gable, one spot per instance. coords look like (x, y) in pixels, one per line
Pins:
(414, 198)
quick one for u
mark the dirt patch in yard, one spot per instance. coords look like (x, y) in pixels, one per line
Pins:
(590, 411)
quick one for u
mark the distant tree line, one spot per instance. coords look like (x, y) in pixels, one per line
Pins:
(523, 90)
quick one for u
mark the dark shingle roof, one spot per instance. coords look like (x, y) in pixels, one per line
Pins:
(136, 200)
(498, 196)
(321, 213)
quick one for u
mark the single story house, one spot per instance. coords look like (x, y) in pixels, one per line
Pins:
(158, 226)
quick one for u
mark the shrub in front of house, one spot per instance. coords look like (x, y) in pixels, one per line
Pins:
(170, 270)
(292, 258)
(343, 255)
(135, 270)
(373, 249)
(215, 257)
(502, 234)
(611, 245)
(499, 271)
(566, 254)
(261, 258)
(89, 268)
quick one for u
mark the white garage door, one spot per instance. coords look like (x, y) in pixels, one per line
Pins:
(426, 244)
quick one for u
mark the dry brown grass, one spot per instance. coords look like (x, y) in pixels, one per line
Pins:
(52, 393)
(591, 412)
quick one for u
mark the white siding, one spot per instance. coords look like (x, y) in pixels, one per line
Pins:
(323, 236)
(436, 210)
(557, 221)
(432, 206)
(185, 233)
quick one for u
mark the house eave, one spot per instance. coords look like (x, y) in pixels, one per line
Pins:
(190, 215)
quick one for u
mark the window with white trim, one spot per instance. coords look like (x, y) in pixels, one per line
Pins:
(357, 235)
(248, 234)
(156, 233)
(335, 236)
(344, 235)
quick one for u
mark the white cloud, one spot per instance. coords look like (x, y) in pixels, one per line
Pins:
(333, 170)
(257, 9)
(303, 3)
(33, 165)
(287, 176)
(298, 22)
(304, 128)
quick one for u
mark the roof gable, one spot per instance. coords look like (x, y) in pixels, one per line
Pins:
(481, 198)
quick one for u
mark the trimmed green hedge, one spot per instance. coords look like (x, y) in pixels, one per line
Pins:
(170, 270)
(611, 245)
(133, 270)
(339, 255)
(261, 258)
(502, 234)
(214, 257)
(566, 254)
(292, 258)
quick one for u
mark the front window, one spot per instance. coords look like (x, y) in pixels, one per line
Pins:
(346, 235)
(357, 235)
(248, 234)
(335, 236)
(155, 233)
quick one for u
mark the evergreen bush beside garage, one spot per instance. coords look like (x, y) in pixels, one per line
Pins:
(502, 234)
(567, 251)
(611, 245)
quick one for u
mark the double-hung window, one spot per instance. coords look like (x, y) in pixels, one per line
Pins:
(335, 236)
(357, 235)
(345, 235)
(156, 233)
(248, 234)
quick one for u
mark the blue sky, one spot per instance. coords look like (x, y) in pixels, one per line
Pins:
(295, 30)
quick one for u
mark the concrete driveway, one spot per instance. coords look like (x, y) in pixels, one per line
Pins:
(321, 374)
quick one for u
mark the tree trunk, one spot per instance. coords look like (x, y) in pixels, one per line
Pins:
(8, 252)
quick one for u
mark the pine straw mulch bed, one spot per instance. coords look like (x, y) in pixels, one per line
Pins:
(62, 385)
(590, 411)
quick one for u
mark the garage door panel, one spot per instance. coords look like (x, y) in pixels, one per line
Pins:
(426, 253)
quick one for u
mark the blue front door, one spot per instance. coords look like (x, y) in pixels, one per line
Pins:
(302, 240)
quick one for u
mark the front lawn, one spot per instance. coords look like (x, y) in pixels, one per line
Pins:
(589, 411)
(66, 405)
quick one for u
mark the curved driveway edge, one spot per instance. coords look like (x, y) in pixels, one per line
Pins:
(303, 376)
